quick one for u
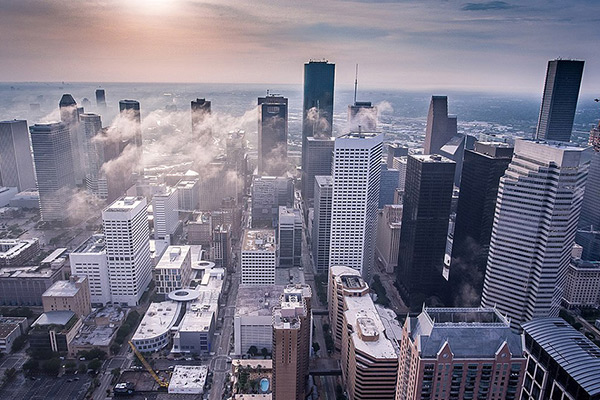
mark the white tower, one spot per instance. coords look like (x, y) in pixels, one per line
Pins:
(166, 216)
(539, 200)
(127, 239)
(356, 171)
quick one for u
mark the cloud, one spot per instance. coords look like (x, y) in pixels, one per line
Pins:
(487, 5)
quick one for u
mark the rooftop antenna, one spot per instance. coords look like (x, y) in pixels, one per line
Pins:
(355, 83)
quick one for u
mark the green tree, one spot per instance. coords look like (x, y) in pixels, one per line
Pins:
(116, 372)
(316, 347)
(115, 348)
(253, 351)
(51, 366)
(9, 374)
(264, 352)
(95, 365)
(31, 365)
(82, 368)
(19, 343)
(70, 367)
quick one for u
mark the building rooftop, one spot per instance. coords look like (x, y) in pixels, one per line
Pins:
(13, 247)
(6, 328)
(125, 204)
(200, 313)
(368, 333)
(173, 257)
(187, 184)
(95, 335)
(94, 245)
(349, 278)
(159, 318)
(54, 318)
(65, 288)
(574, 352)
(259, 240)
(470, 332)
(324, 180)
(585, 265)
(432, 158)
(33, 272)
(188, 377)
(257, 300)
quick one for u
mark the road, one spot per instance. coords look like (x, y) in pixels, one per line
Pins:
(397, 304)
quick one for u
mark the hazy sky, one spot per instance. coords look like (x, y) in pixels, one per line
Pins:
(429, 44)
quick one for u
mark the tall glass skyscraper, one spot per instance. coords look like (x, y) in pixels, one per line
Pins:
(561, 90)
(272, 135)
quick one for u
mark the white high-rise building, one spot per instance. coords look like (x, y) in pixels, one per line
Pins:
(127, 239)
(258, 257)
(16, 163)
(539, 201)
(89, 259)
(166, 216)
(356, 173)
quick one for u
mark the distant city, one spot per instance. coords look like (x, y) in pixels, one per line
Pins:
(245, 242)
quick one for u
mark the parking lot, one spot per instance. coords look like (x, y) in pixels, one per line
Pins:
(46, 387)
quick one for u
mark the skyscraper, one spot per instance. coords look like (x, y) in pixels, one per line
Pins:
(93, 150)
(200, 109)
(482, 169)
(425, 217)
(69, 115)
(132, 123)
(166, 216)
(362, 115)
(292, 323)
(440, 126)
(321, 228)
(561, 90)
(268, 193)
(127, 240)
(289, 237)
(539, 200)
(16, 163)
(317, 112)
(258, 257)
(356, 172)
(590, 212)
(101, 99)
(51, 145)
(319, 153)
(390, 179)
(272, 135)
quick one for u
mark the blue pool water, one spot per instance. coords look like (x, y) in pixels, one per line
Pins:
(264, 385)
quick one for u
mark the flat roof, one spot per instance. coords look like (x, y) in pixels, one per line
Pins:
(257, 301)
(6, 328)
(432, 158)
(64, 288)
(188, 377)
(13, 247)
(34, 272)
(125, 204)
(200, 313)
(324, 180)
(259, 240)
(95, 335)
(574, 352)
(173, 257)
(94, 244)
(54, 318)
(159, 318)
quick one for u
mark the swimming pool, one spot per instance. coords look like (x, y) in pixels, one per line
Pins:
(264, 385)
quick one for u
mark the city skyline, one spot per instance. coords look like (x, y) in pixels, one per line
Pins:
(498, 46)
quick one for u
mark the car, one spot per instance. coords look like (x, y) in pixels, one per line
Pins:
(69, 380)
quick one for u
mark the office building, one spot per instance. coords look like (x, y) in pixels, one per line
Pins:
(400, 164)
(292, 324)
(93, 151)
(258, 257)
(187, 194)
(54, 331)
(582, 285)
(362, 116)
(342, 282)
(101, 99)
(319, 155)
(166, 217)
(395, 150)
(11, 328)
(127, 240)
(482, 169)
(154, 332)
(174, 270)
(69, 115)
(72, 294)
(389, 223)
(52, 154)
(200, 229)
(253, 319)
(369, 357)
(561, 90)
(289, 237)
(221, 250)
(201, 108)
(268, 194)
(590, 241)
(390, 179)
(317, 108)
(539, 200)
(272, 135)
(16, 252)
(440, 126)
(131, 122)
(454, 149)
(460, 353)
(561, 362)
(89, 259)
(425, 216)
(16, 163)
(321, 226)
(588, 234)
(356, 172)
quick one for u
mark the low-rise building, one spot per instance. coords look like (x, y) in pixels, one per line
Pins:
(73, 294)
(582, 286)
(10, 329)
(188, 379)
(16, 252)
(199, 230)
(459, 353)
(54, 331)
(194, 333)
(561, 362)
(98, 331)
(258, 257)
(154, 331)
(174, 270)
(253, 319)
